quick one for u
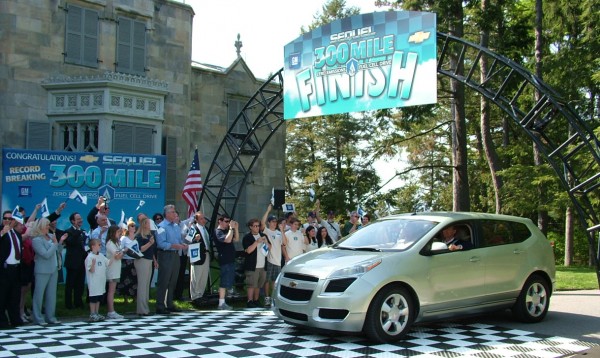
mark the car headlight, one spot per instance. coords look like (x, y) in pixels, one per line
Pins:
(356, 270)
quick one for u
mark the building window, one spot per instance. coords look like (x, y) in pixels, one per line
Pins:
(81, 36)
(234, 107)
(79, 137)
(131, 47)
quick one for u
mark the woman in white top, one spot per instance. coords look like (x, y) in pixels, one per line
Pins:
(114, 254)
(311, 237)
(128, 284)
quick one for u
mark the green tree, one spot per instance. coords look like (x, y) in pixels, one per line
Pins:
(329, 154)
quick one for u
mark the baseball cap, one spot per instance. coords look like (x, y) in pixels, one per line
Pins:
(271, 218)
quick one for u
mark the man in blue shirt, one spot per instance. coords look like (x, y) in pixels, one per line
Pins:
(169, 243)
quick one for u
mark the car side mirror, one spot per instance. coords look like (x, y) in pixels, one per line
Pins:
(436, 248)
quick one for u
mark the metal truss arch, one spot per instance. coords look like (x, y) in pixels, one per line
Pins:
(575, 157)
(247, 136)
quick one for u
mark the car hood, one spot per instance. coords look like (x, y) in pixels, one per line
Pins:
(321, 263)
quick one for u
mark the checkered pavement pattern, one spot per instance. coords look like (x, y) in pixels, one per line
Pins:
(260, 334)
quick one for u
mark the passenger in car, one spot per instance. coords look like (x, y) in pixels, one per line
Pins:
(453, 242)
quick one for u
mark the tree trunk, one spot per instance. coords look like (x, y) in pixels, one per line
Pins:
(460, 178)
(537, 158)
(486, 136)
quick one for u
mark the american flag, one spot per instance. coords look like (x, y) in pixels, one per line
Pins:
(193, 184)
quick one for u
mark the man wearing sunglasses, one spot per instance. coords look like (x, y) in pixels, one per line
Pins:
(226, 234)
(10, 259)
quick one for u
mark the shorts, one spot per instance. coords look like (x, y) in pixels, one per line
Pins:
(227, 275)
(96, 299)
(272, 271)
(256, 278)
(113, 280)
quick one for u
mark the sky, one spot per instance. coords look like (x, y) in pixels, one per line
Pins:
(265, 27)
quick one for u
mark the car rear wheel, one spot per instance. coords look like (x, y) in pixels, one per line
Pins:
(533, 301)
(390, 315)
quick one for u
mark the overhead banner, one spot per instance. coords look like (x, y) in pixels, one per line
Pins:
(361, 63)
(131, 183)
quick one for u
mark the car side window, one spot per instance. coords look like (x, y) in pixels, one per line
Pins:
(456, 236)
(500, 232)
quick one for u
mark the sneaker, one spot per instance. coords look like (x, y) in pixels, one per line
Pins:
(251, 304)
(24, 318)
(95, 317)
(267, 301)
(113, 315)
(225, 307)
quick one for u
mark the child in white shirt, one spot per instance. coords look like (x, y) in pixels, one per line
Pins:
(95, 273)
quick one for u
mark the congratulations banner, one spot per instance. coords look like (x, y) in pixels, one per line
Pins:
(131, 183)
(364, 62)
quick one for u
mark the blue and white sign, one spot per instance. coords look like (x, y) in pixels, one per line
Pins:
(30, 176)
(360, 63)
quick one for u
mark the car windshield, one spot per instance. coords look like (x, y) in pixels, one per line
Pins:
(387, 235)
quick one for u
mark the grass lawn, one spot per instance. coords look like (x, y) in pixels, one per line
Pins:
(576, 278)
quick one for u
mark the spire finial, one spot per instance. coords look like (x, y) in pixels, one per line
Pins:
(238, 45)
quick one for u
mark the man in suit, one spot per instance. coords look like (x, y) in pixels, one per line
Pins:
(75, 262)
(453, 242)
(10, 259)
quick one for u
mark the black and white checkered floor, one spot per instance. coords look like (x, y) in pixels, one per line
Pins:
(260, 334)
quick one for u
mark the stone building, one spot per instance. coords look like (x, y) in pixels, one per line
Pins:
(117, 76)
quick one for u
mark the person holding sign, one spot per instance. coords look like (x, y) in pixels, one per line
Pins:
(257, 246)
(143, 264)
(199, 264)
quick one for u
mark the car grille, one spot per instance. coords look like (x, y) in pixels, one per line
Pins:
(300, 277)
(294, 315)
(328, 313)
(295, 294)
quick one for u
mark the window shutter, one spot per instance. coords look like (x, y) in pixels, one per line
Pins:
(90, 38)
(129, 138)
(124, 45)
(138, 64)
(38, 135)
(171, 153)
(74, 34)
(143, 140)
(122, 138)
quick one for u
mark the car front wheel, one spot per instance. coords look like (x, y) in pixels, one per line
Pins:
(390, 315)
(533, 301)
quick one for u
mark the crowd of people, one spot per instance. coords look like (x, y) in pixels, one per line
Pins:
(121, 259)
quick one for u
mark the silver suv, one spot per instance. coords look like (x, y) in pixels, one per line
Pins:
(416, 267)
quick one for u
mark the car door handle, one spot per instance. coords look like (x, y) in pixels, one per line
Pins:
(475, 259)
(517, 251)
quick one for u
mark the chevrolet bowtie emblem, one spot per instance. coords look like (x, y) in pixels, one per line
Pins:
(293, 284)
